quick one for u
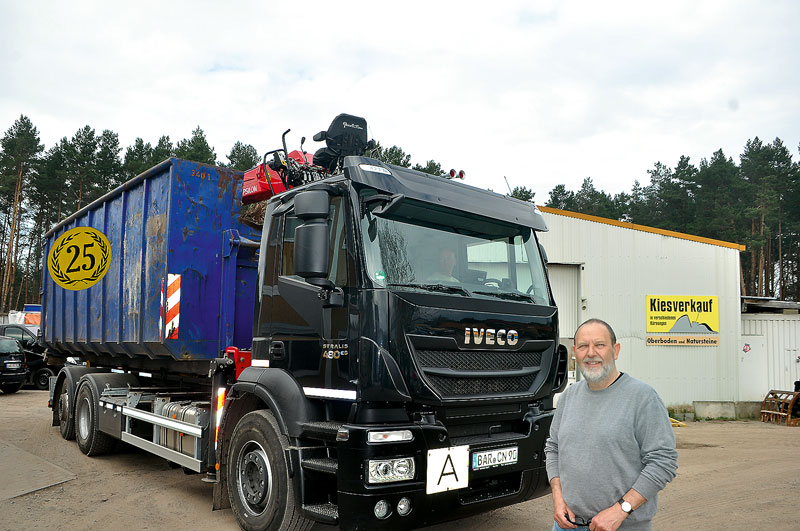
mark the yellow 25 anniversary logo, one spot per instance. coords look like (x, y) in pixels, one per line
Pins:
(79, 258)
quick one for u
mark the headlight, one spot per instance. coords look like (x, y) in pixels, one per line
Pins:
(390, 470)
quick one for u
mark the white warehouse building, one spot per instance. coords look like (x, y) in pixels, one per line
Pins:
(672, 299)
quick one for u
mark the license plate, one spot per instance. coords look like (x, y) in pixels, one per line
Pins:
(492, 458)
(13, 365)
(447, 469)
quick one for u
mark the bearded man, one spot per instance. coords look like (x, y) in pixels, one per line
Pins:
(611, 447)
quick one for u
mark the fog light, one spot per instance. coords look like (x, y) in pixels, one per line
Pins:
(382, 509)
(403, 506)
(389, 470)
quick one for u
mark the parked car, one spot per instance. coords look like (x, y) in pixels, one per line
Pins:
(39, 372)
(13, 368)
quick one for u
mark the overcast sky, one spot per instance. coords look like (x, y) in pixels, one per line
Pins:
(543, 93)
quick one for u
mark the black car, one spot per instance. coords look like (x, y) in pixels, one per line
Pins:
(39, 372)
(13, 368)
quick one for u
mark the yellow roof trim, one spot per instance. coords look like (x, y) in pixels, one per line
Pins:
(642, 228)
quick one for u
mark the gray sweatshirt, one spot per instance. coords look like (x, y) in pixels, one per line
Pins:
(602, 443)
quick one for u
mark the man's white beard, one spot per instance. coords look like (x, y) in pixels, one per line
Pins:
(596, 375)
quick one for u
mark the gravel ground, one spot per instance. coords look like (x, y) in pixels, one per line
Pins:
(732, 476)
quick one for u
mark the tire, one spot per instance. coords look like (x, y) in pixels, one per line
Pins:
(41, 380)
(259, 488)
(66, 419)
(10, 389)
(90, 439)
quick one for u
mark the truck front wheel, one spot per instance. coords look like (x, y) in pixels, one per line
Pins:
(90, 439)
(260, 492)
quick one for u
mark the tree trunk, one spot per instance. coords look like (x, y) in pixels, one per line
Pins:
(10, 255)
(761, 276)
(780, 258)
(36, 245)
(742, 285)
(25, 284)
(753, 284)
(16, 260)
(4, 230)
(770, 270)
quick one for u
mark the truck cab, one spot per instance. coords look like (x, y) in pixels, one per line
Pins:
(406, 323)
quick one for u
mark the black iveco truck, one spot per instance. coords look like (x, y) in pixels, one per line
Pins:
(382, 355)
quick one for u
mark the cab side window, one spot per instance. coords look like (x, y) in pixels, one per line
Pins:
(287, 250)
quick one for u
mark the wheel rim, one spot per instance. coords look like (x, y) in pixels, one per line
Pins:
(43, 379)
(83, 418)
(254, 478)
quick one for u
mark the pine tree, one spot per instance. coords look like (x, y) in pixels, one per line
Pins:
(243, 157)
(18, 161)
(196, 148)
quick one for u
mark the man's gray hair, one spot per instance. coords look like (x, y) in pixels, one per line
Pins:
(600, 322)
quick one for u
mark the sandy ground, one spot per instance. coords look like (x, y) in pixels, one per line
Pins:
(731, 476)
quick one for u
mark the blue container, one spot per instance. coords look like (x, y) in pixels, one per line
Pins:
(178, 218)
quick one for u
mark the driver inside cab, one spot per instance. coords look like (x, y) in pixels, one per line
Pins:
(445, 266)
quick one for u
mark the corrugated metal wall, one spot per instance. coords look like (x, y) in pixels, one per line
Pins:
(622, 266)
(565, 283)
(782, 333)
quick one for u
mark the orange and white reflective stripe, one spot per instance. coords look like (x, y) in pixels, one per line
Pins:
(173, 306)
(161, 315)
(220, 405)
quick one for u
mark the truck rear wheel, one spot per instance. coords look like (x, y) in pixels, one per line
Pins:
(66, 420)
(259, 488)
(90, 439)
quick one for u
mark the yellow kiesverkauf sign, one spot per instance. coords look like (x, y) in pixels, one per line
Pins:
(79, 258)
(682, 320)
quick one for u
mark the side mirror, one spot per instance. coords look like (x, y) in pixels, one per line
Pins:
(312, 238)
(543, 253)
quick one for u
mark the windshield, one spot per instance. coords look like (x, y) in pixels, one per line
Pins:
(421, 246)
(9, 346)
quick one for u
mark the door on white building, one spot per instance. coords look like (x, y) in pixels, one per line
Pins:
(565, 281)
(753, 368)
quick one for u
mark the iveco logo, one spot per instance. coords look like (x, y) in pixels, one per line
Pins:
(490, 336)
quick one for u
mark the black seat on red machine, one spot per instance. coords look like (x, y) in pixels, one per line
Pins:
(346, 136)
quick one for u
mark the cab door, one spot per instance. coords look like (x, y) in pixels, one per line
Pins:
(318, 356)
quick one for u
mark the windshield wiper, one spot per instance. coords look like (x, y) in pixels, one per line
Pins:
(510, 295)
(434, 287)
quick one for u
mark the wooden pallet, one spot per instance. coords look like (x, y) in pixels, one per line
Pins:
(781, 407)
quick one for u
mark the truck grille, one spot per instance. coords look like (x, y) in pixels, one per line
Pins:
(479, 360)
(458, 373)
(461, 387)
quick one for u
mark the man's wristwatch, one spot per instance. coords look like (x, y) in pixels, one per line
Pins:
(626, 507)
